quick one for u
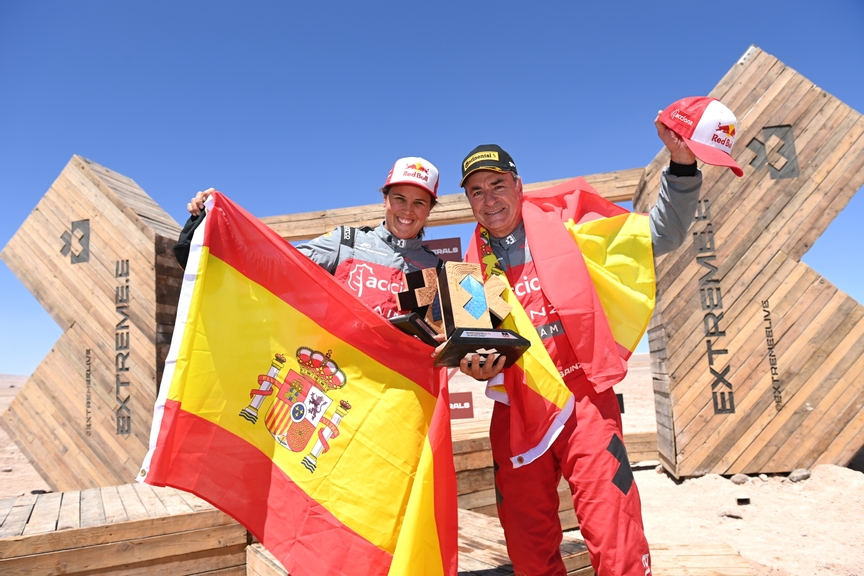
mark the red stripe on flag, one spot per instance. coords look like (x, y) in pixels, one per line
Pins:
(584, 206)
(200, 457)
(256, 251)
(531, 414)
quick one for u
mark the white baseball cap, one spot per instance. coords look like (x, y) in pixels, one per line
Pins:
(415, 171)
(707, 127)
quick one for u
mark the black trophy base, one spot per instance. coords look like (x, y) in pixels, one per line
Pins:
(414, 325)
(469, 341)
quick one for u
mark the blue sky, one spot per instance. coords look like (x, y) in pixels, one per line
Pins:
(291, 107)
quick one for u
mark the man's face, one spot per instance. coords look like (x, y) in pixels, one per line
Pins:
(496, 199)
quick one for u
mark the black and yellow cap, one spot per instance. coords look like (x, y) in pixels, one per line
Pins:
(487, 157)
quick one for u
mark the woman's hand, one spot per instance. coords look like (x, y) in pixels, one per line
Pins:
(196, 205)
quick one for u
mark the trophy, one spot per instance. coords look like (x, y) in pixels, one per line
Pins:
(454, 301)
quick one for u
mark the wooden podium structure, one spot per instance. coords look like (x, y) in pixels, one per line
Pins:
(757, 361)
(96, 252)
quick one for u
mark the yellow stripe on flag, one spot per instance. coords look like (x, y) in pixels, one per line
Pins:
(413, 548)
(618, 253)
(541, 375)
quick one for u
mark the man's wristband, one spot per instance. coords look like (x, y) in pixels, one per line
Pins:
(682, 169)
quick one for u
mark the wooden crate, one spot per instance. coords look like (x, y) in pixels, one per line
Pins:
(698, 560)
(96, 253)
(776, 382)
(475, 482)
(124, 530)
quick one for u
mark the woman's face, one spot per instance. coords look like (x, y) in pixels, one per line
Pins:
(406, 209)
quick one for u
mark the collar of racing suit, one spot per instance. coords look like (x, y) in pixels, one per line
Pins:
(395, 242)
(511, 250)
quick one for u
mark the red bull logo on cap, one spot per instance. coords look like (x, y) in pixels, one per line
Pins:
(728, 131)
(416, 170)
(417, 166)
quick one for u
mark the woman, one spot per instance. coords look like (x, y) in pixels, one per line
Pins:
(369, 261)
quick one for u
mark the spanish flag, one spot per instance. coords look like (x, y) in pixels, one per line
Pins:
(293, 407)
(595, 264)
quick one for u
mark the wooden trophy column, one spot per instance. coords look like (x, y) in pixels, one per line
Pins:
(96, 253)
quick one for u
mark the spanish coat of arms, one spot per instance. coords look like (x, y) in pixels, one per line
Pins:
(300, 403)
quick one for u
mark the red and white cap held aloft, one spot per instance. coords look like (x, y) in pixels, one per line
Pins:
(415, 171)
(707, 126)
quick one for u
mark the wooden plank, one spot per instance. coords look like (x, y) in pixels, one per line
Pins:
(841, 435)
(194, 502)
(773, 426)
(260, 562)
(799, 279)
(37, 410)
(112, 505)
(474, 480)
(120, 554)
(5, 507)
(16, 519)
(45, 513)
(478, 499)
(172, 501)
(26, 442)
(131, 503)
(641, 446)
(154, 506)
(85, 537)
(842, 189)
(698, 560)
(846, 446)
(92, 512)
(227, 561)
(472, 460)
(693, 416)
(482, 547)
(70, 511)
(451, 209)
(709, 446)
(769, 223)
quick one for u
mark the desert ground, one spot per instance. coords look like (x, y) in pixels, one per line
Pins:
(814, 527)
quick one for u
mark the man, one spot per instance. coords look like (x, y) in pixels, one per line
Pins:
(588, 449)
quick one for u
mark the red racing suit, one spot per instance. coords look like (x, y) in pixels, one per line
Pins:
(589, 451)
(370, 262)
